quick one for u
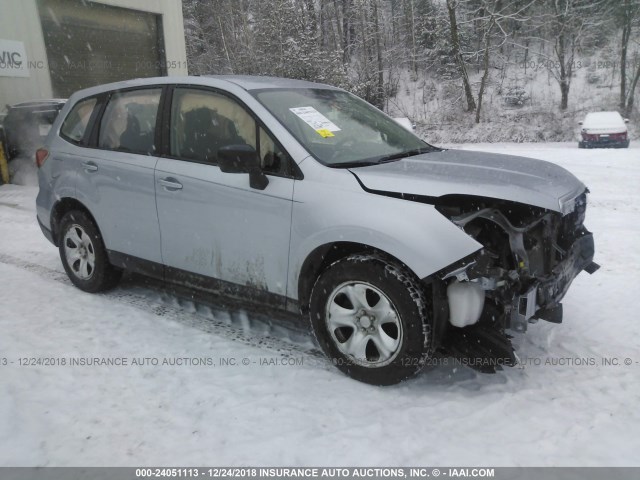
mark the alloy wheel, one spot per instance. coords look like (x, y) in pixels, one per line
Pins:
(79, 252)
(364, 324)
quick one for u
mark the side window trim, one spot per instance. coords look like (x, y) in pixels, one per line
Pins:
(163, 128)
(92, 139)
(293, 171)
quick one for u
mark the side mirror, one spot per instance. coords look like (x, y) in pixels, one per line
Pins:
(579, 123)
(626, 120)
(243, 159)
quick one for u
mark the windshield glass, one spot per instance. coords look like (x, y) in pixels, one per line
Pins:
(340, 129)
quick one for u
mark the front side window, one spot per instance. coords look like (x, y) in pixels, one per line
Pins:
(340, 129)
(75, 125)
(203, 122)
(129, 121)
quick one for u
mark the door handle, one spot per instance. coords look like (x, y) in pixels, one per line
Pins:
(170, 183)
(90, 167)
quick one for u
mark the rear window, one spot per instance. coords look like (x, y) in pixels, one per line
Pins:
(75, 124)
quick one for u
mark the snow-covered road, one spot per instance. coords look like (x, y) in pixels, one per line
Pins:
(569, 409)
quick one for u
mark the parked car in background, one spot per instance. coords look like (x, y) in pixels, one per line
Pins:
(27, 124)
(302, 197)
(604, 129)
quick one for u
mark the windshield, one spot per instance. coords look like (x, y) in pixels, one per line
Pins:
(340, 129)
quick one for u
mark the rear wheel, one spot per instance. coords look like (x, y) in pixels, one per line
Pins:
(369, 316)
(83, 254)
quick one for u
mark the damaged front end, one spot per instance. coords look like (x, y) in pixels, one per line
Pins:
(530, 257)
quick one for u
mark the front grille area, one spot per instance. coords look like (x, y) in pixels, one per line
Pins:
(548, 243)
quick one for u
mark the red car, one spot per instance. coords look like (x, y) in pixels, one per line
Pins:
(604, 129)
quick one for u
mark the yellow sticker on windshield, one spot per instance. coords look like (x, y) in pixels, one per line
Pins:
(324, 132)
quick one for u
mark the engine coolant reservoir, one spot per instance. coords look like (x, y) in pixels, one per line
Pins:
(466, 300)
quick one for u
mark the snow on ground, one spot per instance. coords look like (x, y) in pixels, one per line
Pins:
(309, 413)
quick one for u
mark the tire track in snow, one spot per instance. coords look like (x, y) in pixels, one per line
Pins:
(195, 319)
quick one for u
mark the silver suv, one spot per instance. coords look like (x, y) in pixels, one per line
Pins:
(304, 197)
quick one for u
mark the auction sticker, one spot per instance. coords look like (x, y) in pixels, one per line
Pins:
(321, 124)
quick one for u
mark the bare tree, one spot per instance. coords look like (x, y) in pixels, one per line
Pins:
(627, 16)
(490, 20)
(632, 88)
(452, 6)
(564, 28)
(492, 9)
(380, 65)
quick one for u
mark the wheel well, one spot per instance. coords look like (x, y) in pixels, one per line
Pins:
(323, 256)
(60, 209)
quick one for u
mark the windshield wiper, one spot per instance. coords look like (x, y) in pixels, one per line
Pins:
(356, 163)
(398, 156)
(385, 159)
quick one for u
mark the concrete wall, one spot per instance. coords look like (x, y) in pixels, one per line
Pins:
(20, 21)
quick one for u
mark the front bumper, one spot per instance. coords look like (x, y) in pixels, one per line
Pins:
(542, 299)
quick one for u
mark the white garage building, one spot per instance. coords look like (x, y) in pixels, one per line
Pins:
(51, 48)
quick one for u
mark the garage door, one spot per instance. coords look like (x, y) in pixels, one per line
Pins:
(89, 44)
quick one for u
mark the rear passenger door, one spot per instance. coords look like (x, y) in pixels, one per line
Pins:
(116, 176)
(213, 224)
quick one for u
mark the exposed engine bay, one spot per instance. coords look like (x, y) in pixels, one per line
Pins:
(530, 257)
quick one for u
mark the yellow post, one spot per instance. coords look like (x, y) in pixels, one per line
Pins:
(4, 166)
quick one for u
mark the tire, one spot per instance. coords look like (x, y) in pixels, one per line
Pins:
(343, 306)
(83, 254)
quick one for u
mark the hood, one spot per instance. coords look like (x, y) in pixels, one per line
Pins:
(461, 172)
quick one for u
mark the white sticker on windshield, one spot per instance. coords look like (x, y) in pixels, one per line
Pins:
(316, 120)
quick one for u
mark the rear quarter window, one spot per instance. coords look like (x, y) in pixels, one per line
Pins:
(75, 124)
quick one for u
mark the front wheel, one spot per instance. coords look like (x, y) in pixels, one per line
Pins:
(369, 316)
(83, 254)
